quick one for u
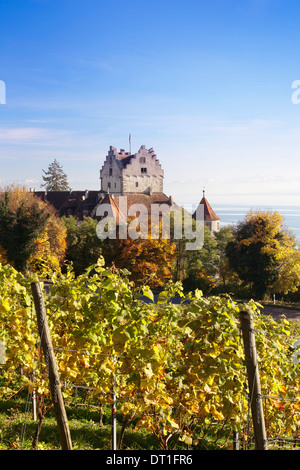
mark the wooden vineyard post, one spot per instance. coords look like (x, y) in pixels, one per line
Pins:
(114, 414)
(236, 441)
(46, 344)
(246, 321)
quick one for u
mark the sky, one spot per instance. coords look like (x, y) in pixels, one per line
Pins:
(207, 84)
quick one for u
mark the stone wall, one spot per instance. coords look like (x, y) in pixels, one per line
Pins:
(143, 174)
(125, 173)
(111, 173)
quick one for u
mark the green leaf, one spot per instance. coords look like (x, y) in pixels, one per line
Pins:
(147, 292)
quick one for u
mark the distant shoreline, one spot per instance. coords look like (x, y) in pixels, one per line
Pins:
(233, 214)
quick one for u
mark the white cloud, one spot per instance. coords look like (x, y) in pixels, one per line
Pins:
(17, 135)
(26, 133)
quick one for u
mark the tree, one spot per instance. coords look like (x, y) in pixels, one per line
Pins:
(20, 225)
(207, 269)
(50, 247)
(56, 178)
(202, 268)
(227, 278)
(288, 266)
(83, 246)
(146, 258)
(31, 235)
(264, 254)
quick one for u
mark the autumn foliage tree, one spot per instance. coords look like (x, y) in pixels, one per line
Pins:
(31, 234)
(50, 247)
(265, 254)
(146, 259)
(149, 258)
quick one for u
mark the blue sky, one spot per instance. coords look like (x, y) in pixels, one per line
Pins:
(208, 85)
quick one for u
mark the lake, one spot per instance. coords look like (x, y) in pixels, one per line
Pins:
(231, 215)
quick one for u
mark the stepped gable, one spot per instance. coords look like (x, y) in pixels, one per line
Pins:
(123, 172)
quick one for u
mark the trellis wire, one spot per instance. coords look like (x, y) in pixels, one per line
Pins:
(31, 395)
(281, 398)
(252, 331)
(122, 356)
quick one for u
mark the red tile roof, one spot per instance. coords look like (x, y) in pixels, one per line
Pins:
(209, 214)
(132, 198)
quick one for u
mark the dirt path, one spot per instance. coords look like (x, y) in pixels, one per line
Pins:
(277, 310)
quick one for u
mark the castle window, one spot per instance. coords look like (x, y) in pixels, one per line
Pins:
(142, 159)
(108, 185)
(110, 172)
(144, 171)
(136, 184)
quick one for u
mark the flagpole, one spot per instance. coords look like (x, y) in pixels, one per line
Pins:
(129, 144)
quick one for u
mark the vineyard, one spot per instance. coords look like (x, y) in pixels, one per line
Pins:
(174, 370)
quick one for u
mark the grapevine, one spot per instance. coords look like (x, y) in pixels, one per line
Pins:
(179, 367)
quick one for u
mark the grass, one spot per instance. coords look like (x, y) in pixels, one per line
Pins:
(17, 429)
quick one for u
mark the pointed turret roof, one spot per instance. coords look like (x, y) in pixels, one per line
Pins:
(209, 214)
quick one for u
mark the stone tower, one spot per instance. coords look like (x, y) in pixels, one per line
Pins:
(124, 173)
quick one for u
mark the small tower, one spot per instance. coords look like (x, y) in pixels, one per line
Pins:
(211, 220)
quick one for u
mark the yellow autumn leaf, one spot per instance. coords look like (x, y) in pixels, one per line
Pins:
(5, 305)
(217, 414)
(187, 440)
(173, 423)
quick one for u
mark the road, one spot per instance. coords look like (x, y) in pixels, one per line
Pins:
(277, 310)
(274, 310)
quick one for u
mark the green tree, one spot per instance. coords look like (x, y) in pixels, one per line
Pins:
(55, 178)
(227, 278)
(83, 246)
(208, 267)
(202, 265)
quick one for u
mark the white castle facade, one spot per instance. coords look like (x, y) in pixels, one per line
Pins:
(138, 176)
(125, 173)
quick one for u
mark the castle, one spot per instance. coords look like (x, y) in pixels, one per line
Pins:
(137, 176)
(138, 173)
